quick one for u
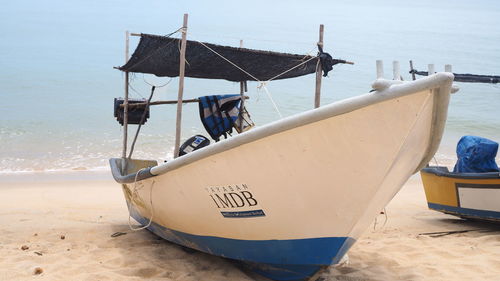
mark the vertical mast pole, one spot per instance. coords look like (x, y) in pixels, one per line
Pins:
(380, 69)
(242, 83)
(182, 65)
(430, 70)
(396, 73)
(317, 95)
(242, 92)
(125, 102)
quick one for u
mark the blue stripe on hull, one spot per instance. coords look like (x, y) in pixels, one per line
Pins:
(466, 212)
(294, 259)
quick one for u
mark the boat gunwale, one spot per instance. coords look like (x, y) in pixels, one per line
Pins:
(441, 81)
(442, 171)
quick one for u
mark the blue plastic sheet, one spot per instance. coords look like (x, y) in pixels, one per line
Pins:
(476, 155)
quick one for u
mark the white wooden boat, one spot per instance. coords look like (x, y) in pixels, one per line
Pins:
(291, 197)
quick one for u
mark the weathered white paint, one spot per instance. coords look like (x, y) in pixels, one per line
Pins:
(180, 93)
(323, 173)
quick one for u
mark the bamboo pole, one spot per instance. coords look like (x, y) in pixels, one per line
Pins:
(242, 83)
(182, 65)
(125, 102)
(317, 94)
(242, 93)
(132, 105)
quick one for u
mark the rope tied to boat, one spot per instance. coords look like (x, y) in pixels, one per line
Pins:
(263, 86)
(134, 194)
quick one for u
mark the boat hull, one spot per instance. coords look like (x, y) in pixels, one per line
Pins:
(290, 198)
(467, 195)
(260, 255)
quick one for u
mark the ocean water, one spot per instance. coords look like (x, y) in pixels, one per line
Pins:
(57, 81)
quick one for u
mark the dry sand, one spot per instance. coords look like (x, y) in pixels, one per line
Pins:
(67, 226)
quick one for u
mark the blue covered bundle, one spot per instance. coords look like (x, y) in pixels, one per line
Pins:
(476, 155)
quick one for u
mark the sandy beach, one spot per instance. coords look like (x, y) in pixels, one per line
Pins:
(65, 229)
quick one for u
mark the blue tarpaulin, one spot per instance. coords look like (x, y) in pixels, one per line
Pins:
(218, 113)
(476, 155)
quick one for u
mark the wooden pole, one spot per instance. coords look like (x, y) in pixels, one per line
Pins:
(161, 102)
(182, 65)
(412, 73)
(242, 93)
(380, 69)
(317, 94)
(447, 68)
(125, 102)
(242, 83)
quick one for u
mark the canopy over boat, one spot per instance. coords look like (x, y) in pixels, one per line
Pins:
(159, 55)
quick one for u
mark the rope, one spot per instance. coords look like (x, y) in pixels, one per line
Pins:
(150, 201)
(256, 79)
(133, 89)
(224, 58)
(435, 160)
(384, 211)
(304, 62)
(262, 83)
(152, 85)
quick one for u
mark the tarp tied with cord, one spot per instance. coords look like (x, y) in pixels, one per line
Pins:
(159, 55)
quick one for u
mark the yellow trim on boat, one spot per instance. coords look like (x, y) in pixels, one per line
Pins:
(439, 190)
(442, 190)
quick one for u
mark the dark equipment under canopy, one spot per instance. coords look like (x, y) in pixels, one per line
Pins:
(159, 55)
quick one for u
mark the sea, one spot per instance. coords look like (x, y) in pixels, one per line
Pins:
(58, 82)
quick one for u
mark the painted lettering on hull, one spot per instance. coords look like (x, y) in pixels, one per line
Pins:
(235, 201)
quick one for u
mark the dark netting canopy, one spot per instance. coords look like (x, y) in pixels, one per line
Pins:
(159, 55)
